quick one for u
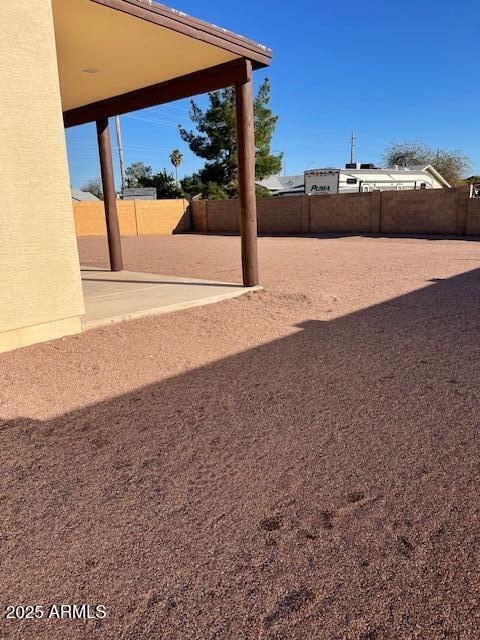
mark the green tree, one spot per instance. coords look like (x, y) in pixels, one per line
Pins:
(164, 183)
(94, 186)
(406, 153)
(192, 185)
(262, 192)
(452, 165)
(215, 140)
(215, 191)
(266, 164)
(137, 173)
(176, 158)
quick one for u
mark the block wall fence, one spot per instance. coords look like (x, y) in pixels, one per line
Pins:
(439, 211)
(136, 217)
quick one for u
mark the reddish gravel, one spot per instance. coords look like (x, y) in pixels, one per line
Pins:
(297, 463)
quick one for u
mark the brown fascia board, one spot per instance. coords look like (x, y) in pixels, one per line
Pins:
(259, 55)
(211, 79)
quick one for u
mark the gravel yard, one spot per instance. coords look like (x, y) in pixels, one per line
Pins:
(301, 462)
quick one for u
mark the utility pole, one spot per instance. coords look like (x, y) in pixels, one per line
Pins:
(120, 153)
(352, 148)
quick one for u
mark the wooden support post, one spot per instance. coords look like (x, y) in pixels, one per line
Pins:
(109, 195)
(246, 178)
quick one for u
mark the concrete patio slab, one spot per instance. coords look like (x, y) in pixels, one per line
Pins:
(124, 295)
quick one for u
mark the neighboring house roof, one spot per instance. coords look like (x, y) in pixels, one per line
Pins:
(283, 184)
(81, 196)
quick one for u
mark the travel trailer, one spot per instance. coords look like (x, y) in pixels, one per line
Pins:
(366, 177)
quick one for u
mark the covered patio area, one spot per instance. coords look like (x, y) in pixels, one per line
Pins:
(70, 62)
(118, 56)
(115, 296)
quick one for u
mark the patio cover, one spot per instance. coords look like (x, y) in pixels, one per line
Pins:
(116, 56)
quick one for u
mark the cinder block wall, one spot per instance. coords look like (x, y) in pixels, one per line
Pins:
(436, 211)
(473, 217)
(291, 219)
(161, 217)
(136, 217)
(222, 216)
(350, 212)
(41, 295)
(422, 211)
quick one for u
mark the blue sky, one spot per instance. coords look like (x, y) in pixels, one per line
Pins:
(389, 71)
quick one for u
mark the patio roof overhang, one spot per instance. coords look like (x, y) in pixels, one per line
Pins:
(116, 56)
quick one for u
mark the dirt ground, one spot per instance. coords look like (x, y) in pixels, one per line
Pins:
(297, 463)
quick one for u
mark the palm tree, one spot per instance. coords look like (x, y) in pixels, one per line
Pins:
(176, 158)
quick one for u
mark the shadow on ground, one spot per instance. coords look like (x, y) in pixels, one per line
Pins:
(343, 234)
(189, 283)
(324, 485)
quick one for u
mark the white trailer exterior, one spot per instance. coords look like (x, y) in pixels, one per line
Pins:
(329, 181)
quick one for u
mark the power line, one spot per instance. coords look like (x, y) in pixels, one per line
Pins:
(159, 122)
(181, 110)
(165, 118)
(125, 146)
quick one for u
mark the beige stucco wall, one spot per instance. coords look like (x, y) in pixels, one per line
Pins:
(41, 294)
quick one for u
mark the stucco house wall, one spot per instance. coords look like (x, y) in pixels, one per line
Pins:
(41, 296)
